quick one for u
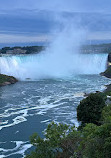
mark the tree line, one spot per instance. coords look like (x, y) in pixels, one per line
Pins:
(29, 49)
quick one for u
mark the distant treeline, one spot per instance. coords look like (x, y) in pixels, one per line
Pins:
(28, 49)
(99, 48)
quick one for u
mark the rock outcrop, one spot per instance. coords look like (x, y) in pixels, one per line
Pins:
(109, 60)
(7, 80)
(107, 72)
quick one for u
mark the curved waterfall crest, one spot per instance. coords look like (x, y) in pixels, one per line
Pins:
(52, 66)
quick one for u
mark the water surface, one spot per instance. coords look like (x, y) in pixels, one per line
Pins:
(28, 106)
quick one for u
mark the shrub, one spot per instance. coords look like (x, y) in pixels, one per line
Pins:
(57, 142)
(106, 114)
(89, 110)
(96, 141)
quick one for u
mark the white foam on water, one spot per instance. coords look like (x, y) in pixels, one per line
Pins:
(2, 156)
(16, 120)
(44, 100)
(79, 94)
(16, 132)
(20, 148)
(21, 118)
(21, 112)
(3, 122)
(46, 121)
(1, 149)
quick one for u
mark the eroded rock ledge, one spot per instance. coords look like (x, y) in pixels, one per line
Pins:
(7, 80)
(107, 72)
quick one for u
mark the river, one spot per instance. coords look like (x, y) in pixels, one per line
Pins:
(43, 94)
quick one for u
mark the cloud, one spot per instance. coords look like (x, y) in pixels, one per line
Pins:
(27, 19)
(106, 35)
(58, 5)
(11, 38)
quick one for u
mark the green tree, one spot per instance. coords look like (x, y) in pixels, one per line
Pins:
(106, 114)
(89, 110)
(3, 50)
(96, 141)
(56, 142)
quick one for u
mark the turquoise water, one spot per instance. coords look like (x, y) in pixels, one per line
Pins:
(52, 65)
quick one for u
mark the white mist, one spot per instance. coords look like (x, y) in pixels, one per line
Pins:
(61, 59)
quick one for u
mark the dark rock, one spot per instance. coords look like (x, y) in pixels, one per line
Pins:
(109, 57)
(109, 60)
(107, 73)
(7, 80)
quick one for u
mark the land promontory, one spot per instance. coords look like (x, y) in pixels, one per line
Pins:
(7, 80)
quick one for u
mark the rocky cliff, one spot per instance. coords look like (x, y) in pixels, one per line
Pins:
(107, 72)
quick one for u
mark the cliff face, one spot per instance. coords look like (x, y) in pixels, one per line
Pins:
(109, 60)
(107, 72)
(7, 80)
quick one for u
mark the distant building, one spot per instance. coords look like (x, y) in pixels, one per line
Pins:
(19, 51)
(16, 51)
(9, 51)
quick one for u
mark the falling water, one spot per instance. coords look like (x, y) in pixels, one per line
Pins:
(51, 66)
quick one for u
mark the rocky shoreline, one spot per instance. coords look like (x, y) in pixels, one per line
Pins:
(7, 80)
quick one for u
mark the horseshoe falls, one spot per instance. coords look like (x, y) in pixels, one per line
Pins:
(44, 66)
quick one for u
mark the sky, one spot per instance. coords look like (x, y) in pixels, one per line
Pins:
(61, 5)
(23, 21)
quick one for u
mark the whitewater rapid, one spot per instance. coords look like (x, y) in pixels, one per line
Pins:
(44, 66)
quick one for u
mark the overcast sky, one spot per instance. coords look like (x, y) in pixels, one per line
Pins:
(61, 5)
(35, 20)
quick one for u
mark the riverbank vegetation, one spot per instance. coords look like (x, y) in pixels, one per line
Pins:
(6, 80)
(91, 139)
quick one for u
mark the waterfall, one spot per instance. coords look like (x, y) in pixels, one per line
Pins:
(52, 65)
(61, 59)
